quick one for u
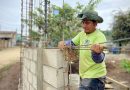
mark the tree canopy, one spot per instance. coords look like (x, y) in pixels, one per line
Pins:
(63, 24)
(121, 25)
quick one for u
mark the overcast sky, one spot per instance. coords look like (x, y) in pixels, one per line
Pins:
(10, 11)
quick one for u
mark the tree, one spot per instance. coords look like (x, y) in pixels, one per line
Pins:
(121, 26)
(64, 23)
(108, 34)
(92, 4)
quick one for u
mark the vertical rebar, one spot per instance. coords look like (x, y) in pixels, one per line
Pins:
(26, 17)
(45, 16)
(63, 23)
(30, 19)
(20, 75)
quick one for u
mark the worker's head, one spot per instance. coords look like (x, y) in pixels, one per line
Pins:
(90, 20)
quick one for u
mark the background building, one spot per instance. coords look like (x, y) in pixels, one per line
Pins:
(7, 39)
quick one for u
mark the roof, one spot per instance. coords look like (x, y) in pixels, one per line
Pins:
(7, 32)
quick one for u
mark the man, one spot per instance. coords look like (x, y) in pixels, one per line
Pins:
(92, 68)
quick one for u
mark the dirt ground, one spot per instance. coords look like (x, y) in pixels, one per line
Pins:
(10, 77)
(115, 71)
(9, 56)
(9, 68)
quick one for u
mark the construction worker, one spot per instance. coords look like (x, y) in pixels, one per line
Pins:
(92, 68)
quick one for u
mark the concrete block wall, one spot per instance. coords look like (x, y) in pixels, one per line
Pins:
(29, 75)
(54, 69)
(44, 69)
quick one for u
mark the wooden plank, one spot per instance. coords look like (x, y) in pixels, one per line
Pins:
(117, 85)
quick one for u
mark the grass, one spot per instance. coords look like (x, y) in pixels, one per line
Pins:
(125, 64)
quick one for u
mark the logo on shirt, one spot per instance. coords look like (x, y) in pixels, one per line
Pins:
(86, 42)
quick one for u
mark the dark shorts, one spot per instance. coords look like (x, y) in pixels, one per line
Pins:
(92, 84)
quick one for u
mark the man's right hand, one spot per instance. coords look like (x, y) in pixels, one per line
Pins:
(61, 45)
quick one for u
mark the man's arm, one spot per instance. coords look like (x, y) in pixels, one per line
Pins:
(69, 43)
(97, 53)
(63, 44)
(98, 57)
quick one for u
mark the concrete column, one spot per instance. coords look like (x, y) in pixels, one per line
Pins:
(39, 69)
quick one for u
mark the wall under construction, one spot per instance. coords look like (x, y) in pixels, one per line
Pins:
(44, 69)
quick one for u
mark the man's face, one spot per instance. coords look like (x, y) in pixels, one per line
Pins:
(89, 26)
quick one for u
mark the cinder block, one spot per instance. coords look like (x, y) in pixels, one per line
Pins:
(33, 67)
(26, 53)
(31, 87)
(35, 54)
(24, 73)
(30, 77)
(27, 86)
(34, 82)
(30, 54)
(74, 80)
(54, 58)
(47, 86)
(55, 77)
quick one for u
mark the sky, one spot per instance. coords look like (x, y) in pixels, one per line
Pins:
(10, 12)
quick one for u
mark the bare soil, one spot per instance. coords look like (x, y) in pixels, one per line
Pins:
(10, 77)
(9, 56)
(9, 68)
(115, 71)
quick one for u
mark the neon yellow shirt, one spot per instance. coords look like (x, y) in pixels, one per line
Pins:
(87, 67)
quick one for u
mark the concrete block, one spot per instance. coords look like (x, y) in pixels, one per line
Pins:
(30, 54)
(31, 87)
(33, 67)
(47, 86)
(24, 87)
(24, 74)
(55, 77)
(26, 53)
(74, 80)
(34, 82)
(54, 58)
(73, 88)
(30, 77)
(28, 64)
(35, 54)
(27, 86)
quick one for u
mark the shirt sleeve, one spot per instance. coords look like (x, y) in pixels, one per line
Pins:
(98, 57)
(69, 43)
(76, 39)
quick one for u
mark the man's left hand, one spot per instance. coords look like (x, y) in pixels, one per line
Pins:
(97, 48)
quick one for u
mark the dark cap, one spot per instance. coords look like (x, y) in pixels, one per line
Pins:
(90, 15)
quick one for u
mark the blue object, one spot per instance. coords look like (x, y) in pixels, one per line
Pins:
(69, 42)
(115, 50)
